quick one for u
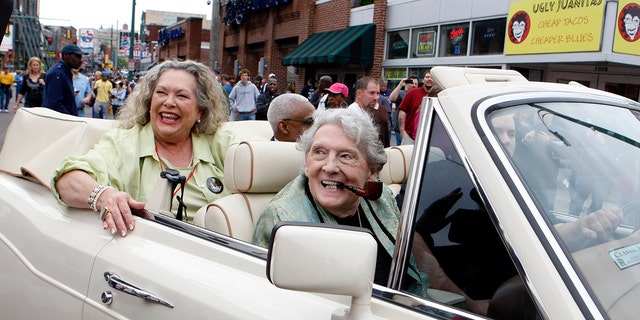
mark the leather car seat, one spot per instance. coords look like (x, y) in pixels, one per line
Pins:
(254, 171)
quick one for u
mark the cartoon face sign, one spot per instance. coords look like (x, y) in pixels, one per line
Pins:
(629, 22)
(519, 26)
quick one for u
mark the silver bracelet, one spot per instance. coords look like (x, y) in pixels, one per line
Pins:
(94, 203)
(93, 194)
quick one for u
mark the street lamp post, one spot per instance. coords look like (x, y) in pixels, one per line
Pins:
(213, 36)
(131, 37)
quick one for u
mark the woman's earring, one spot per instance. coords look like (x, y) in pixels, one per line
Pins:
(199, 121)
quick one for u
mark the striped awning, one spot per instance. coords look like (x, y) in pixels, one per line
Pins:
(353, 45)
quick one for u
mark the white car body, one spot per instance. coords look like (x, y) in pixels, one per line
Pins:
(56, 260)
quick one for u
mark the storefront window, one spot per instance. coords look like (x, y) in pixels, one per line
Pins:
(398, 44)
(424, 42)
(454, 39)
(488, 37)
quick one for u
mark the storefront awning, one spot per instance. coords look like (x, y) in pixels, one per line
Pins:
(353, 45)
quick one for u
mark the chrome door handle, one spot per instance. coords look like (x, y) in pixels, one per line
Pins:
(115, 282)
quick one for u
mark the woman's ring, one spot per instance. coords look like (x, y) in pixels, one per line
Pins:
(103, 212)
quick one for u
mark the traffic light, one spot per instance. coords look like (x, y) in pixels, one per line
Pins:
(68, 34)
(10, 52)
(75, 41)
(50, 40)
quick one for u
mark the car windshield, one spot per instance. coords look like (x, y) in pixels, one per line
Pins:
(580, 163)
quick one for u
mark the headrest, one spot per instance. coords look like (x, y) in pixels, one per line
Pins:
(261, 166)
(249, 130)
(396, 169)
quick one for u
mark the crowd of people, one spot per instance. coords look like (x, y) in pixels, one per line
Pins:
(65, 87)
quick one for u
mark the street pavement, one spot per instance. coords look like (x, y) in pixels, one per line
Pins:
(5, 120)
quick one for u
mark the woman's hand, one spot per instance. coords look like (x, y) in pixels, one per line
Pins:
(117, 207)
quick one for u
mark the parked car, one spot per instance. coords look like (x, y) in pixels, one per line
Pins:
(490, 197)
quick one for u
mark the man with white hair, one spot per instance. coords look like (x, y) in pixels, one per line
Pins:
(289, 115)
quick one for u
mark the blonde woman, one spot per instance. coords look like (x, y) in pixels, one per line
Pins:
(32, 86)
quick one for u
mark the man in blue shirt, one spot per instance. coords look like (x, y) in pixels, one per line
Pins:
(59, 94)
(82, 91)
(18, 79)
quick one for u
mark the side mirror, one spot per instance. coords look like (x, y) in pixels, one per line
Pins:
(321, 258)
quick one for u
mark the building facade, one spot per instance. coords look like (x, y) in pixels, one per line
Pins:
(564, 40)
(567, 40)
(297, 40)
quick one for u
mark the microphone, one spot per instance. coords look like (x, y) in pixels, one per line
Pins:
(373, 190)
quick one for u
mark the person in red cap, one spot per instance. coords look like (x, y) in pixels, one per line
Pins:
(338, 93)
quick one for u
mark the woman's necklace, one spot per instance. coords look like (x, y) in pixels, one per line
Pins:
(189, 166)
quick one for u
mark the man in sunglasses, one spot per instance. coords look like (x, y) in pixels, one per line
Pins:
(289, 115)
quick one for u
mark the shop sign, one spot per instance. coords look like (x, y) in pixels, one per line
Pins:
(395, 73)
(165, 35)
(626, 38)
(556, 26)
(426, 43)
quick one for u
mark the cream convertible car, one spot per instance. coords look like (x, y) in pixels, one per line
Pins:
(502, 173)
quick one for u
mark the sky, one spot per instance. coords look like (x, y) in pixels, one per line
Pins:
(93, 14)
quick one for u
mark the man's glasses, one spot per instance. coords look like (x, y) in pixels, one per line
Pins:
(308, 121)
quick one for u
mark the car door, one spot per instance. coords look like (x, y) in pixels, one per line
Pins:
(444, 205)
(46, 253)
(167, 269)
(162, 270)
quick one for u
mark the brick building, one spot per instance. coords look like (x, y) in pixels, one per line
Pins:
(297, 40)
(181, 40)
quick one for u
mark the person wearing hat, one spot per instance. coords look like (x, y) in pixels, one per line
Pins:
(264, 99)
(337, 96)
(265, 84)
(103, 90)
(59, 94)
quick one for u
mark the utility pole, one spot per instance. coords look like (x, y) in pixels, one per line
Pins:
(110, 45)
(115, 55)
(132, 38)
(214, 33)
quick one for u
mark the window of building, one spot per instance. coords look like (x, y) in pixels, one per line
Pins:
(454, 39)
(488, 37)
(398, 44)
(423, 42)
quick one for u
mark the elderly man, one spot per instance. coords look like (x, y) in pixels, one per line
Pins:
(289, 115)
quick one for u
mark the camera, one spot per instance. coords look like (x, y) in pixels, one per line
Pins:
(410, 81)
(208, 2)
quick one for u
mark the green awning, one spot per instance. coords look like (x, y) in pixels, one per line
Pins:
(353, 45)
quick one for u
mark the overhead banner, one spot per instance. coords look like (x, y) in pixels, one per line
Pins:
(535, 26)
(626, 36)
(86, 40)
